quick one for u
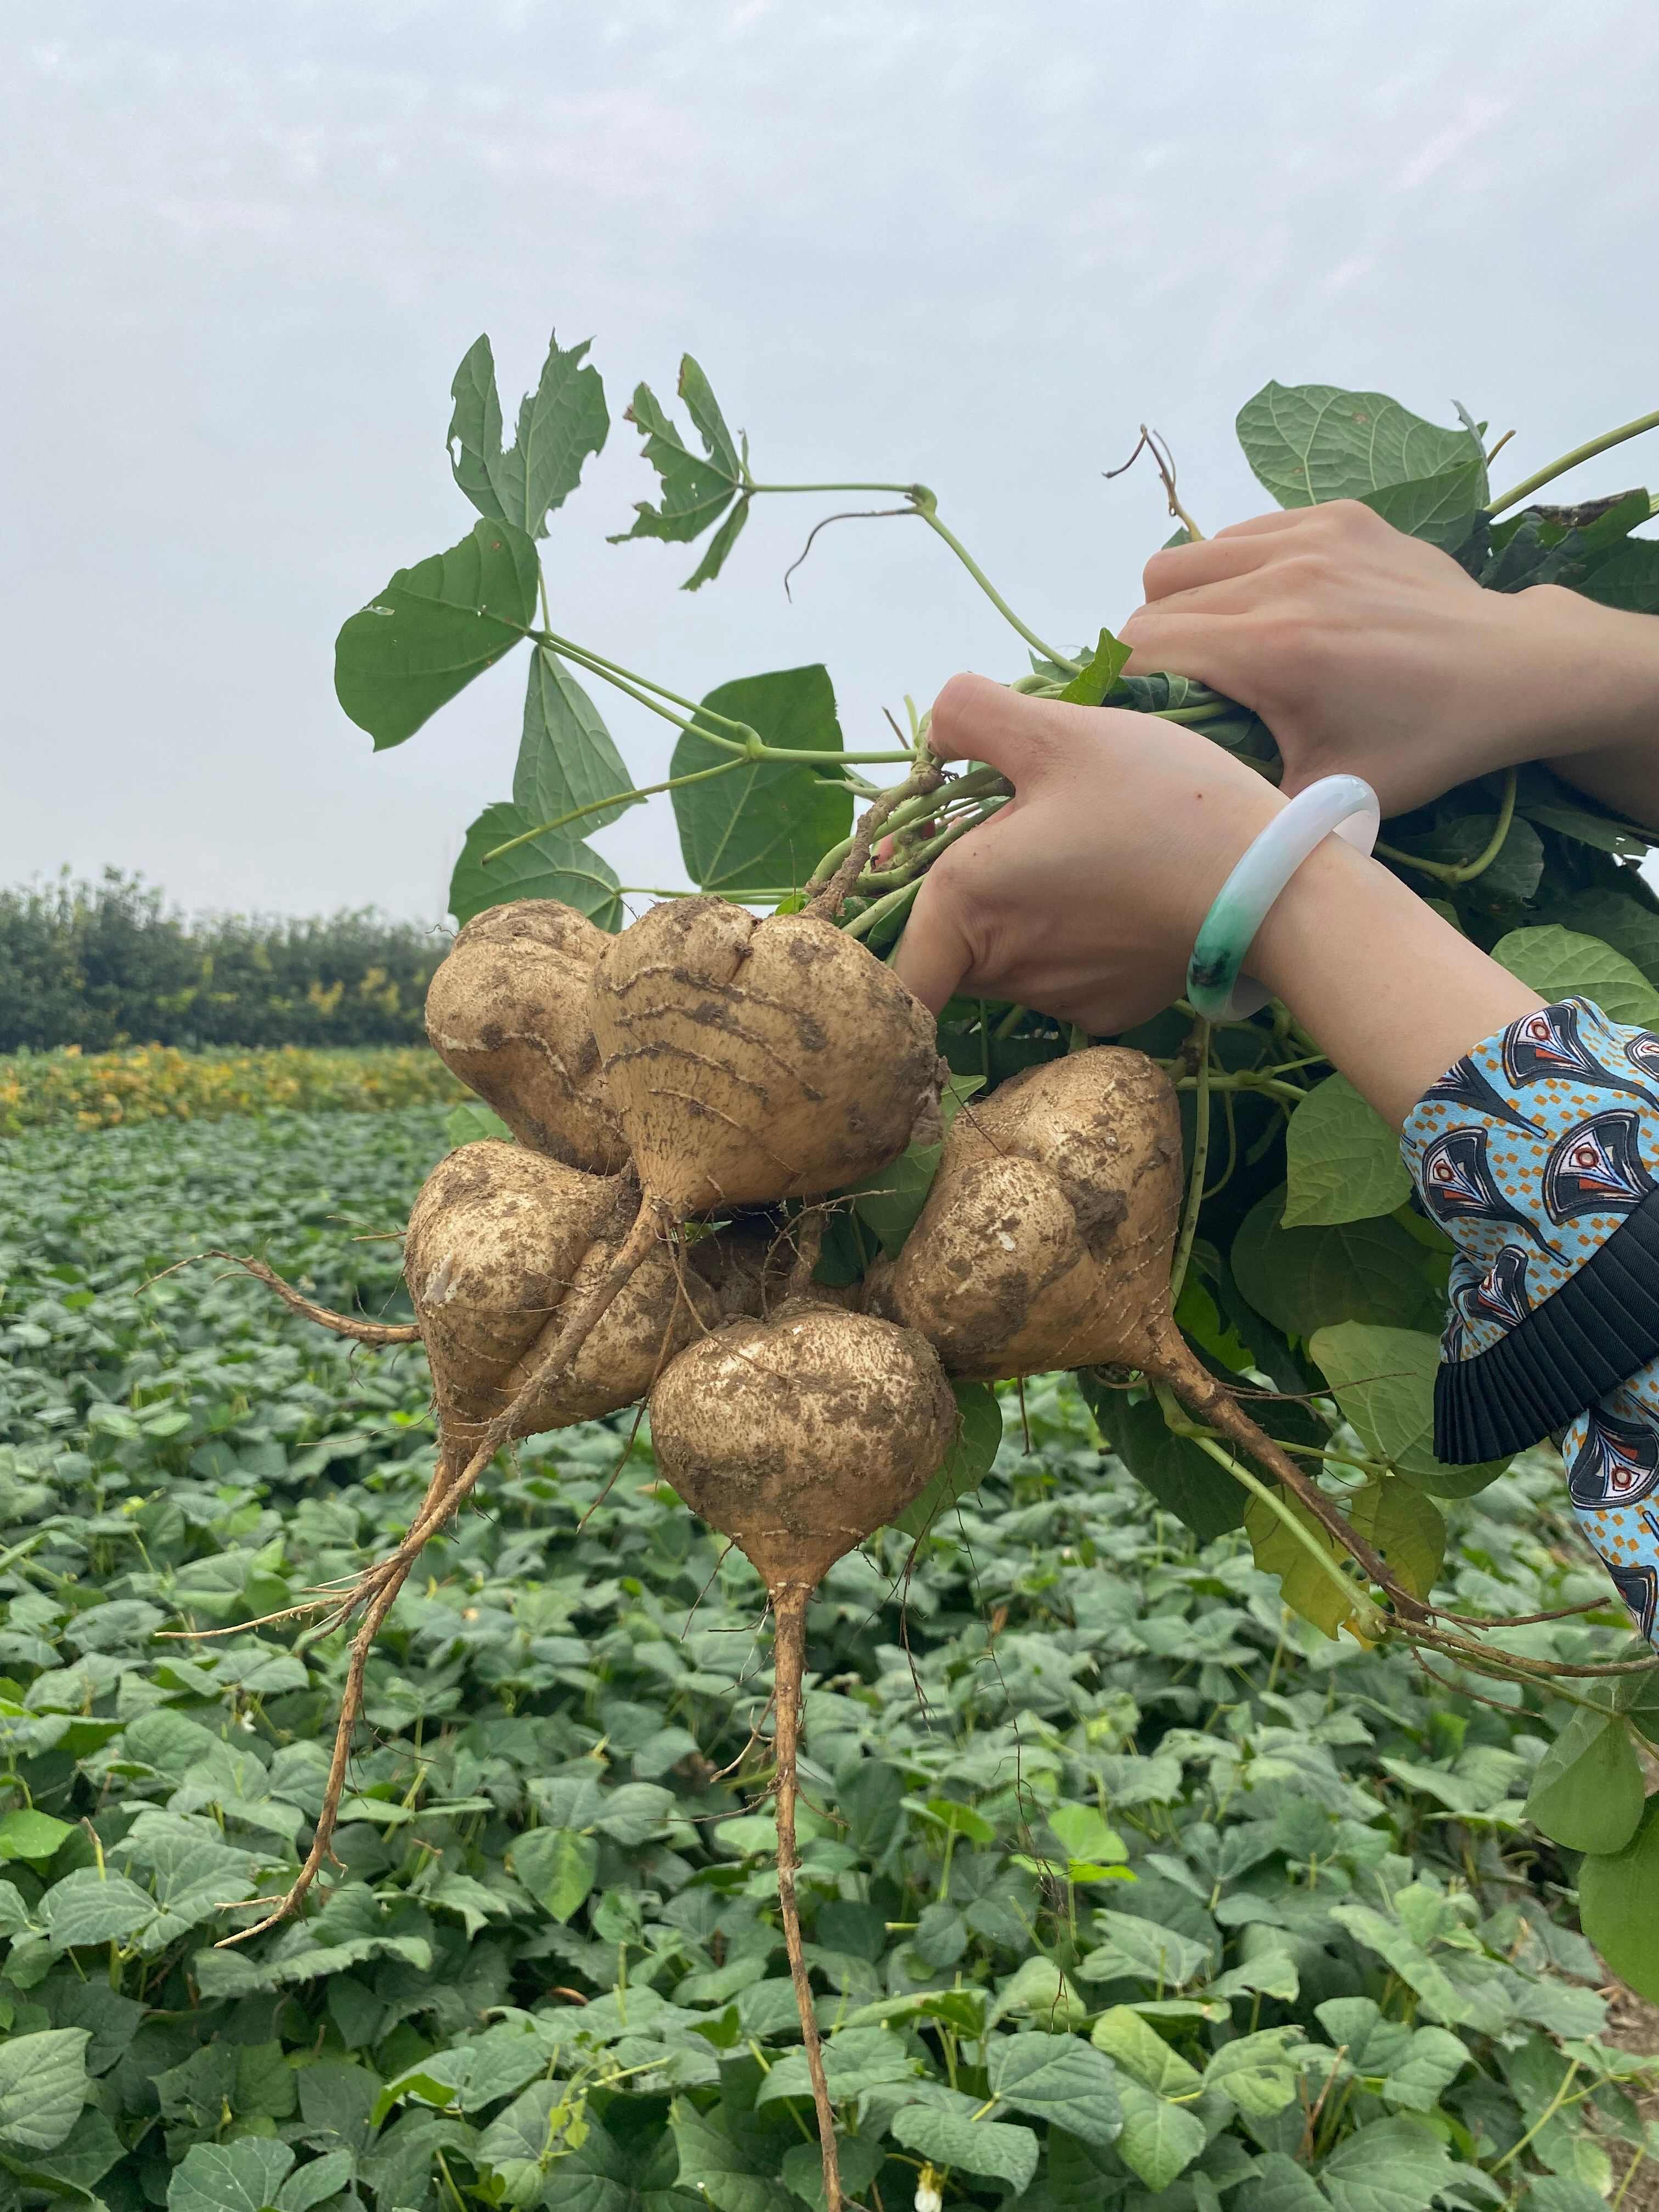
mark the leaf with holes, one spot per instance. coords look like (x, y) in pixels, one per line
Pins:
(562, 424)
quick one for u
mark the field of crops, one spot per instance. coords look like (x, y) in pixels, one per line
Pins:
(155, 1082)
(1123, 1887)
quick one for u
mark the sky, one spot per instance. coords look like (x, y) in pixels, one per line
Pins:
(245, 248)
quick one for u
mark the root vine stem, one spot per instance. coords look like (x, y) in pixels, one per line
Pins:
(447, 1493)
(789, 1603)
(1211, 1402)
(829, 894)
(359, 1331)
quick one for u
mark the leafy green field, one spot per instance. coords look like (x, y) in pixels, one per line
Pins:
(1122, 1885)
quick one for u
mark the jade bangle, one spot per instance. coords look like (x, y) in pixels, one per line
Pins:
(1215, 987)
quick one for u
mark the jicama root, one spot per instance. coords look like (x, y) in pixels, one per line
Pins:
(798, 1438)
(1046, 1242)
(507, 1011)
(500, 1241)
(753, 1061)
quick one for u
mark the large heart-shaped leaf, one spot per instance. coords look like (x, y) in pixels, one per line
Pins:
(1308, 443)
(433, 628)
(763, 825)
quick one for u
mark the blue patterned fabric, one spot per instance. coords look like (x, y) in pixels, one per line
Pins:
(1536, 1153)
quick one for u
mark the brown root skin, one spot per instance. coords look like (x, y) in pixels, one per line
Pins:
(789, 1603)
(507, 1011)
(1046, 1243)
(449, 1489)
(800, 1436)
(503, 1243)
(376, 1333)
(750, 1063)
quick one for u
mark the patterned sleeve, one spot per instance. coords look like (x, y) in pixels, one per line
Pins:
(1537, 1152)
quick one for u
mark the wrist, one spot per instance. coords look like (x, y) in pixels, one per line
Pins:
(1592, 672)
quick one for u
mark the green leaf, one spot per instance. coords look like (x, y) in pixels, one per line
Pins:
(433, 628)
(557, 1866)
(43, 2086)
(1308, 443)
(854, 2059)
(554, 865)
(1621, 922)
(1279, 2184)
(1588, 1790)
(91, 1906)
(1138, 1949)
(467, 1125)
(1304, 1584)
(1405, 1526)
(1140, 2052)
(1390, 2166)
(324, 2177)
(1089, 686)
(1159, 2140)
(566, 756)
(694, 492)
(1303, 1279)
(989, 2147)
(1342, 1159)
(719, 545)
(967, 1463)
(1383, 1380)
(1058, 2079)
(521, 2143)
(1440, 509)
(860, 2160)
(721, 2167)
(1605, 832)
(763, 825)
(1044, 1993)
(1184, 1481)
(243, 2176)
(561, 424)
(1558, 963)
(25, 1834)
(1514, 873)
(1253, 2073)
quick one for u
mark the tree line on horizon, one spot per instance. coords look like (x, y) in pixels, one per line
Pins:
(102, 964)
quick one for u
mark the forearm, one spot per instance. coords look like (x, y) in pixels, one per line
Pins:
(1390, 993)
(1600, 699)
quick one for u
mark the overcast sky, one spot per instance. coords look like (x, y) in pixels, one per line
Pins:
(975, 244)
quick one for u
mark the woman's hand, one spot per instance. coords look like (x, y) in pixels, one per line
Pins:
(1371, 654)
(1083, 895)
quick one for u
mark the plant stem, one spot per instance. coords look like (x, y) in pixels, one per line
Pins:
(617, 798)
(895, 903)
(910, 491)
(1464, 871)
(1543, 2120)
(1183, 1251)
(929, 515)
(1517, 492)
(1369, 1621)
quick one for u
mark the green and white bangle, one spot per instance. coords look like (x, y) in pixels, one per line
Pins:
(1215, 987)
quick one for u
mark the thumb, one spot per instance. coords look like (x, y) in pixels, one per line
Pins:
(976, 719)
(932, 956)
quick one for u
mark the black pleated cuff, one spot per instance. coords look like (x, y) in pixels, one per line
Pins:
(1600, 1329)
